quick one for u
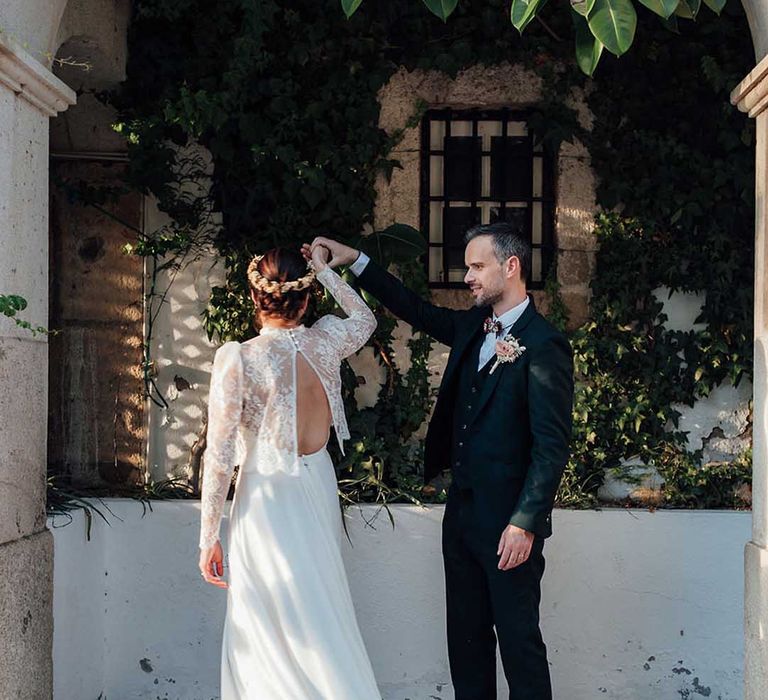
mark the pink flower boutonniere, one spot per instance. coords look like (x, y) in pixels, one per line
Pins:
(507, 350)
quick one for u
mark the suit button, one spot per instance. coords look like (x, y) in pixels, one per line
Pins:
(461, 444)
(464, 427)
(469, 407)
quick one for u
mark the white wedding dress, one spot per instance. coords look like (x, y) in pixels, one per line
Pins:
(290, 631)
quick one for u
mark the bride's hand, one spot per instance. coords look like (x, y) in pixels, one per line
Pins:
(319, 256)
(212, 565)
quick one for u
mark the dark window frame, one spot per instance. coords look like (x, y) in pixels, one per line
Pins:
(547, 198)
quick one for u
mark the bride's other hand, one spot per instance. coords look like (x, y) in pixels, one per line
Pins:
(212, 565)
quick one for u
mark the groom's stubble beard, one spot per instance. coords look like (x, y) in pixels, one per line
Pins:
(490, 295)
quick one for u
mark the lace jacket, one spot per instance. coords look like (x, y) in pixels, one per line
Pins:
(252, 403)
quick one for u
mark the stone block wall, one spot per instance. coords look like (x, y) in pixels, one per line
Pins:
(491, 87)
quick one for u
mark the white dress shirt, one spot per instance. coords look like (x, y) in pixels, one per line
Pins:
(488, 349)
(507, 319)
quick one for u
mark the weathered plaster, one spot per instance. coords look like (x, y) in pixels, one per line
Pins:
(757, 16)
(96, 400)
(94, 33)
(635, 605)
(26, 601)
(33, 24)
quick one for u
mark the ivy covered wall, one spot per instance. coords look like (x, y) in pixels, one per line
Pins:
(283, 97)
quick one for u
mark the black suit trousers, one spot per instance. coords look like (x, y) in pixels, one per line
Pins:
(484, 603)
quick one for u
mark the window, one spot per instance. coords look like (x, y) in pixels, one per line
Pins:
(479, 167)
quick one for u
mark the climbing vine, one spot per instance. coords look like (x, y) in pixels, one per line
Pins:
(283, 98)
(11, 305)
(676, 185)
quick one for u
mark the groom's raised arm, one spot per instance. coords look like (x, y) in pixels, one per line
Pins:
(404, 303)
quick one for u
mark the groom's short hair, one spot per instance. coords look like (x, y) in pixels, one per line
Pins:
(507, 242)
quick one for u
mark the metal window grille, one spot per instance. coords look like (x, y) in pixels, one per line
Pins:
(479, 167)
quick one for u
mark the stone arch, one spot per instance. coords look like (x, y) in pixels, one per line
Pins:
(29, 95)
(751, 96)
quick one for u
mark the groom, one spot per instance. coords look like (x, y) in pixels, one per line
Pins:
(502, 423)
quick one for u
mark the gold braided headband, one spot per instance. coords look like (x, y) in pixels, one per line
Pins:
(258, 281)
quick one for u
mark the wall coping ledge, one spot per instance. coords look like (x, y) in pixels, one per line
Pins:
(31, 80)
(751, 94)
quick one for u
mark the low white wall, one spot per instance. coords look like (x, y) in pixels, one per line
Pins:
(636, 605)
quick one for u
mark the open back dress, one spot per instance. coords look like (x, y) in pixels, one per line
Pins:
(290, 631)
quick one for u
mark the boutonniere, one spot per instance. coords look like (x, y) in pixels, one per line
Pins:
(507, 350)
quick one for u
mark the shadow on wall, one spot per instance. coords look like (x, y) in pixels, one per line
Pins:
(96, 391)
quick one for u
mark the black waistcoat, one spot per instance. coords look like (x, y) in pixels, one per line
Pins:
(470, 382)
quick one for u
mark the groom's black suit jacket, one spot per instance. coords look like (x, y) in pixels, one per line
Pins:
(516, 438)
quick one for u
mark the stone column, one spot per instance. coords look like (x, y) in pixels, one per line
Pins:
(751, 96)
(29, 95)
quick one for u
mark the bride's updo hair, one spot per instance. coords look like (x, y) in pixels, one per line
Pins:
(281, 282)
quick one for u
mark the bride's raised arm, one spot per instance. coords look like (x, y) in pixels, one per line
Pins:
(349, 334)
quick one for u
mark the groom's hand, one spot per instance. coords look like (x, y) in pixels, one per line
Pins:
(340, 254)
(514, 547)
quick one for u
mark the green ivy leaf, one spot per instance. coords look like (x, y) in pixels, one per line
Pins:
(583, 7)
(613, 22)
(523, 12)
(349, 6)
(588, 47)
(716, 6)
(663, 8)
(441, 8)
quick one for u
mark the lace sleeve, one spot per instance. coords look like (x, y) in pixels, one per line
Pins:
(349, 334)
(225, 406)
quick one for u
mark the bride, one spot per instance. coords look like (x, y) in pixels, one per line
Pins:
(290, 631)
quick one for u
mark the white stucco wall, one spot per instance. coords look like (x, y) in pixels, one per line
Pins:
(636, 605)
(726, 409)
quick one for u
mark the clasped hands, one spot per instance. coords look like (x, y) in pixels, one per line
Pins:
(321, 249)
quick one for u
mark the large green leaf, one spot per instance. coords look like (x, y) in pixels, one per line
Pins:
(441, 8)
(688, 9)
(396, 243)
(588, 48)
(663, 8)
(613, 23)
(715, 5)
(349, 6)
(583, 7)
(523, 12)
